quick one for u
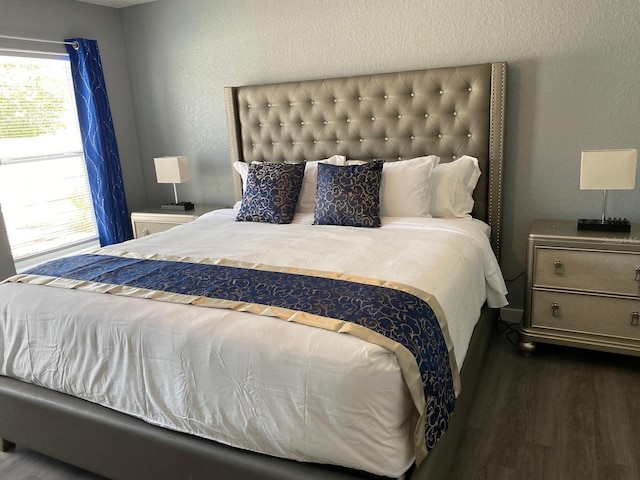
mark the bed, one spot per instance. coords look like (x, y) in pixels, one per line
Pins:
(454, 113)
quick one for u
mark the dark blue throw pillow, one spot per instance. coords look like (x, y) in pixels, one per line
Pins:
(272, 192)
(349, 195)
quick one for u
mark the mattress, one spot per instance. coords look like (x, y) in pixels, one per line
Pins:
(256, 382)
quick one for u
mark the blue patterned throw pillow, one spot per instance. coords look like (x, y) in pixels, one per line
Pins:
(349, 195)
(272, 192)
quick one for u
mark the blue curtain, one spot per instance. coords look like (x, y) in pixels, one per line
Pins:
(99, 142)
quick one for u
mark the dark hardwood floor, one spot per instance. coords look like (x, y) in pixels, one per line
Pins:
(563, 414)
(24, 464)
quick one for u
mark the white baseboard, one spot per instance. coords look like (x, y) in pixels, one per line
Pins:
(511, 315)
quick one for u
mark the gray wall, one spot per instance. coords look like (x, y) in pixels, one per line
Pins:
(573, 82)
(60, 19)
(6, 262)
(573, 69)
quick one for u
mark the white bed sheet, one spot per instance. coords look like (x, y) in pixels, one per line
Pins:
(256, 383)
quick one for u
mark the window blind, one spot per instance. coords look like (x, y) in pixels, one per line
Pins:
(44, 191)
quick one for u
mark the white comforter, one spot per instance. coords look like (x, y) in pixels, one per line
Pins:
(256, 383)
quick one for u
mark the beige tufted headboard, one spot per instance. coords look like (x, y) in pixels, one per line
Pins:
(448, 112)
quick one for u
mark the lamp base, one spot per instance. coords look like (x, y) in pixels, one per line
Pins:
(606, 225)
(182, 206)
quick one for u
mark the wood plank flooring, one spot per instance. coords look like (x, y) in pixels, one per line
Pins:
(25, 464)
(563, 414)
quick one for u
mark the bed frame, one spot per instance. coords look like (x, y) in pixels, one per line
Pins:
(445, 111)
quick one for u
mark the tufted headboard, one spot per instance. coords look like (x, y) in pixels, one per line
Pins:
(448, 112)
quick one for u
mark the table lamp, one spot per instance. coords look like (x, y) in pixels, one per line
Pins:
(607, 170)
(173, 170)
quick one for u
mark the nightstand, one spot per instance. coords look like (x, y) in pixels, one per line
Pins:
(154, 220)
(582, 288)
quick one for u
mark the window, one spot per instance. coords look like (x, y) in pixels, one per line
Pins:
(44, 190)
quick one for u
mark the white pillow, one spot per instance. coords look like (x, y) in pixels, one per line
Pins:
(405, 190)
(453, 184)
(243, 170)
(307, 197)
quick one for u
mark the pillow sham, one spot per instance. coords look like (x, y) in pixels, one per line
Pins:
(453, 184)
(272, 192)
(349, 195)
(405, 190)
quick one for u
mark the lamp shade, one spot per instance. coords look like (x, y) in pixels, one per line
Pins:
(608, 169)
(172, 169)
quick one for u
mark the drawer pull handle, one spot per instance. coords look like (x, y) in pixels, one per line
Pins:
(635, 319)
(146, 232)
(555, 309)
(559, 267)
(638, 274)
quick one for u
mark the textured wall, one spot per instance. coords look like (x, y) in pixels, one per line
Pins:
(6, 262)
(573, 82)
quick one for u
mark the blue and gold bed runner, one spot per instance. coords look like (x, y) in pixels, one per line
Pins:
(370, 309)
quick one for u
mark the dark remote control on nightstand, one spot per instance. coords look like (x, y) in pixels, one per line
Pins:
(606, 225)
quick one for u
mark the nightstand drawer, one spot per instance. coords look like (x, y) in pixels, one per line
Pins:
(147, 228)
(590, 314)
(595, 271)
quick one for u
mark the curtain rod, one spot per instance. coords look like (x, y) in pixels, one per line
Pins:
(74, 44)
